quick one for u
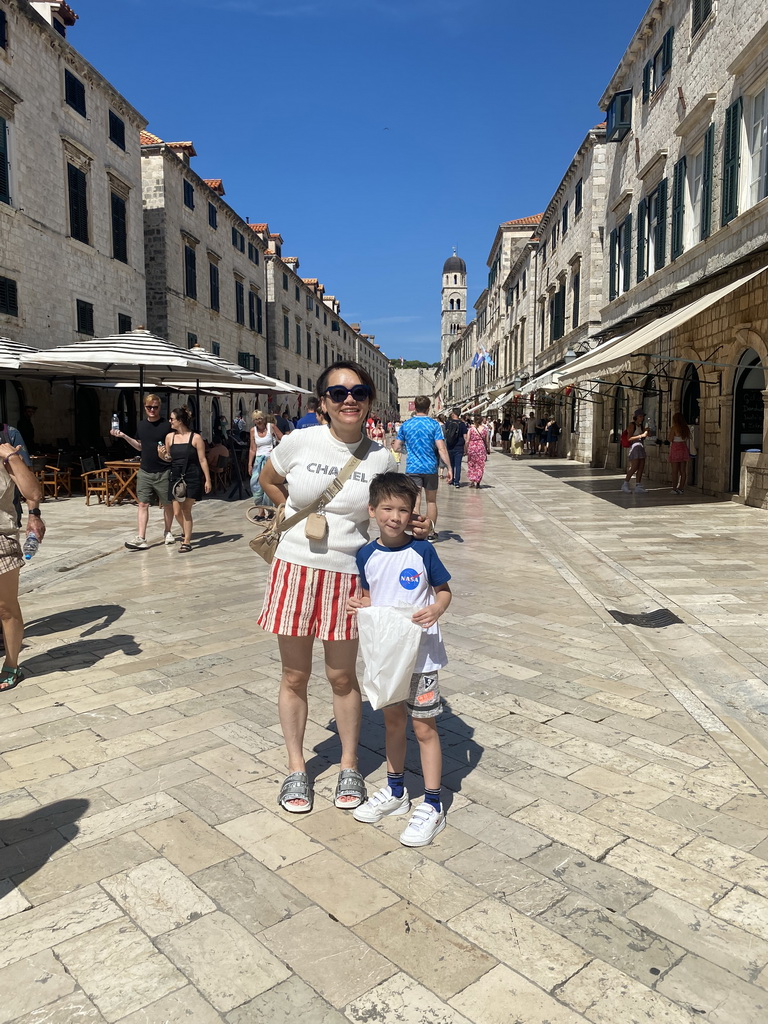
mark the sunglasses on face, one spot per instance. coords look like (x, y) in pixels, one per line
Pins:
(338, 393)
(151, 408)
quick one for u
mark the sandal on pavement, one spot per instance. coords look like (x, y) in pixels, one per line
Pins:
(10, 678)
(296, 787)
(350, 783)
(184, 548)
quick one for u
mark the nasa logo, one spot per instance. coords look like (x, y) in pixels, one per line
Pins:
(409, 579)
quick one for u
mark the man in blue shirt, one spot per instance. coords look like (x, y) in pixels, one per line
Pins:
(424, 444)
(310, 419)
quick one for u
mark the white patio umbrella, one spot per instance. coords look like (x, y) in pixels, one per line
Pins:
(30, 361)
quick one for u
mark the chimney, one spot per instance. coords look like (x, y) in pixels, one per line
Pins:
(57, 13)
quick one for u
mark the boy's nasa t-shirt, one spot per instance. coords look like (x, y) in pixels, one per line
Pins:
(407, 575)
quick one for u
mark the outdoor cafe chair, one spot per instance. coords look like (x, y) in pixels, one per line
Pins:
(95, 481)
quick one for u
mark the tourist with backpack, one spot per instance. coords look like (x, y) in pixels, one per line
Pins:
(455, 431)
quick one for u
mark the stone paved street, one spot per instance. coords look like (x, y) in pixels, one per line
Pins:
(605, 855)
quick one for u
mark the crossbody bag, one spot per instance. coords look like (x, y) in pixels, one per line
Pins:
(265, 543)
(179, 488)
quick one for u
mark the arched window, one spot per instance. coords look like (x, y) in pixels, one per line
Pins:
(215, 417)
(451, 303)
(458, 303)
(455, 279)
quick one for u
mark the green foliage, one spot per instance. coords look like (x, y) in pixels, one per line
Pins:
(412, 364)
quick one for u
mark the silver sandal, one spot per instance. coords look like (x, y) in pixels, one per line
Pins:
(296, 787)
(350, 783)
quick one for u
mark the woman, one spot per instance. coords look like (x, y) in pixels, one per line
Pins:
(311, 581)
(478, 449)
(377, 434)
(264, 437)
(185, 450)
(506, 430)
(14, 473)
(518, 438)
(636, 434)
(679, 438)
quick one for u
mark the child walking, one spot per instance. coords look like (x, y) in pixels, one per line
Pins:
(394, 570)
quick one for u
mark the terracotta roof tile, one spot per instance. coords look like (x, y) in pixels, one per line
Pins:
(523, 221)
(259, 227)
(188, 146)
(148, 139)
(216, 184)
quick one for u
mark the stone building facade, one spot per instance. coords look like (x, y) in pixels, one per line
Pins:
(306, 332)
(686, 227)
(71, 229)
(412, 382)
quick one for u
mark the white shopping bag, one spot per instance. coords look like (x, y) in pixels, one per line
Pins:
(389, 645)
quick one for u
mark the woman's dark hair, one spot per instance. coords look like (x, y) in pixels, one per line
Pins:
(183, 415)
(345, 364)
(393, 485)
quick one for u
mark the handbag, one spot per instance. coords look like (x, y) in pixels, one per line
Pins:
(179, 487)
(265, 543)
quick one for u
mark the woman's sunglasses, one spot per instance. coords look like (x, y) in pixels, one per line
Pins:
(338, 393)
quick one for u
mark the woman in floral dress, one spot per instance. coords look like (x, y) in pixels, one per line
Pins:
(478, 446)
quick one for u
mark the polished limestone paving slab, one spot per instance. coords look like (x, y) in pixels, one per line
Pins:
(605, 855)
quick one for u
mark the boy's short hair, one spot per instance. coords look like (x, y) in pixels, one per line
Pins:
(422, 403)
(392, 485)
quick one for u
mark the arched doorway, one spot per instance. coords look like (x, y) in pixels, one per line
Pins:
(191, 404)
(689, 407)
(215, 417)
(87, 420)
(126, 410)
(748, 385)
(12, 398)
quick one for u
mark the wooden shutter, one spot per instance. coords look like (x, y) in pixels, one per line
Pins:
(259, 315)
(213, 274)
(190, 272)
(613, 269)
(731, 148)
(647, 81)
(659, 254)
(666, 51)
(251, 311)
(642, 223)
(3, 31)
(119, 229)
(678, 208)
(5, 178)
(706, 182)
(9, 300)
(627, 250)
(78, 203)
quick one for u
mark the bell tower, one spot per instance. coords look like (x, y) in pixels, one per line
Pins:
(454, 301)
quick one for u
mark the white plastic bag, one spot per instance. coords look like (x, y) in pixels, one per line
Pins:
(389, 645)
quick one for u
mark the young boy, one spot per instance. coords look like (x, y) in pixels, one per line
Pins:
(396, 569)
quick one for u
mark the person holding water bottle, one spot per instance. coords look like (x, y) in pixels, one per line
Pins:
(14, 473)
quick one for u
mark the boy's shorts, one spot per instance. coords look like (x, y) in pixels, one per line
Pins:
(424, 700)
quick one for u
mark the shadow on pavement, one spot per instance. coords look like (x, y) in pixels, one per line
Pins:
(606, 484)
(82, 654)
(207, 538)
(32, 840)
(101, 615)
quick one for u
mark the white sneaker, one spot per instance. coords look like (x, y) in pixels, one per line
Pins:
(137, 544)
(424, 825)
(169, 538)
(625, 487)
(380, 805)
(639, 489)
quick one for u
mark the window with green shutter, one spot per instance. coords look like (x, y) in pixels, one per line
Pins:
(240, 302)
(700, 11)
(657, 206)
(119, 228)
(213, 280)
(124, 323)
(3, 31)
(298, 339)
(252, 310)
(578, 202)
(642, 234)
(286, 333)
(706, 182)
(619, 116)
(625, 245)
(85, 318)
(215, 348)
(678, 208)
(576, 296)
(259, 315)
(5, 169)
(74, 93)
(9, 297)
(189, 194)
(731, 153)
(116, 130)
(78, 203)
(656, 70)
(213, 217)
(190, 272)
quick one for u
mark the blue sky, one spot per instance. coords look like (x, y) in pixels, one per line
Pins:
(374, 135)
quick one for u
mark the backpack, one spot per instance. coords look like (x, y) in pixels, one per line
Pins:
(625, 438)
(452, 432)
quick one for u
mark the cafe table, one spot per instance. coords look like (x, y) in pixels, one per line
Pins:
(123, 474)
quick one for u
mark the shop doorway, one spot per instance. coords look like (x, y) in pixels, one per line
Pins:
(689, 407)
(126, 410)
(749, 384)
(87, 420)
(215, 418)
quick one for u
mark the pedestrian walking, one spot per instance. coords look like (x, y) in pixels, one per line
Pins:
(152, 478)
(506, 432)
(310, 419)
(679, 438)
(312, 580)
(186, 452)
(455, 432)
(14, 473)
(552, 437)
(632, 438)
(517, 439)
(478, 450)
(425, 446)
(264, 437)
(384, 565)
(530, 432)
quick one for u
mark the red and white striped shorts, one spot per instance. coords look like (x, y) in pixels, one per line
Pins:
(309, 602)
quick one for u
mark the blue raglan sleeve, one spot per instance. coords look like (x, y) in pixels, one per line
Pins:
(361, 558)
(437, 574)
(438, 434)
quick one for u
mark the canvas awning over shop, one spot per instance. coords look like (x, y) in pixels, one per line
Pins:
(547, 381)
(501, 398)
(615, 354)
